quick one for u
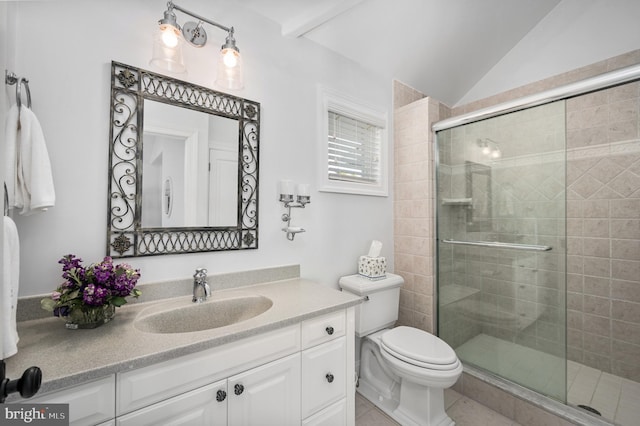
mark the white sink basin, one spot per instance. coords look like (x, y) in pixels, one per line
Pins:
(185, 316)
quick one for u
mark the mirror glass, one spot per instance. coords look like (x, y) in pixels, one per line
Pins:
(183, 167)
(198, 154)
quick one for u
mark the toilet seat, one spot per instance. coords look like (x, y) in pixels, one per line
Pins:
(419, 348)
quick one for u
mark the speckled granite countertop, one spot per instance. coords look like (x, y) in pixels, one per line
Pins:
(71, 357)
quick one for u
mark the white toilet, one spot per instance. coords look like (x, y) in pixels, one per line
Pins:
(402, 370)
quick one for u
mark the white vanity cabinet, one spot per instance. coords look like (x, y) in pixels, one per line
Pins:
(299, 374)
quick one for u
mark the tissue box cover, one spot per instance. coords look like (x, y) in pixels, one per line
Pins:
(372, 267)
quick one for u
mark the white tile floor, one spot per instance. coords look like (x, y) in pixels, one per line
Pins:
(614, 397)
(464, 411)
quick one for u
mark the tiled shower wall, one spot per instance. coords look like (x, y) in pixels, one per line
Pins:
(413, 204)
(603, 230)
(603, 211)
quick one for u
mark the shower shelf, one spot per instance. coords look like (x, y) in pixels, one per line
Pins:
(454, 293)
(457, 201)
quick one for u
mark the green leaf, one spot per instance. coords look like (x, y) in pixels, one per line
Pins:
(118, 301)
(47, 304)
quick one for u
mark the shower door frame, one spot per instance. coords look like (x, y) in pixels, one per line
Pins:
(603, 81)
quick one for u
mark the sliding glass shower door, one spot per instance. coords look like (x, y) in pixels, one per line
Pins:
(502, 245)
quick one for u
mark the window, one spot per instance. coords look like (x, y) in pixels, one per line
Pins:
(353, 145)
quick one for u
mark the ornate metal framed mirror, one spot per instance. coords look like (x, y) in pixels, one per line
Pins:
(202, 141)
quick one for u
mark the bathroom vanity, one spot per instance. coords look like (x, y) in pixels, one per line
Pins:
(292, 364)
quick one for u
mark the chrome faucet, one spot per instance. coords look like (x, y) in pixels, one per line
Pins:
(201, 289)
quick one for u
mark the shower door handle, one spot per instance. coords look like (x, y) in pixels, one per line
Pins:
(497, 244)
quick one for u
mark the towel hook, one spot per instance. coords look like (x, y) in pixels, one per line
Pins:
(11, 79)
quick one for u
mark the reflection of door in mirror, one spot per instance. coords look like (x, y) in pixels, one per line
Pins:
(177, 144)
(163, 161)
(223, 181)
(223, 172)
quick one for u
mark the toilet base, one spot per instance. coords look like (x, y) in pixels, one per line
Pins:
(410, 404)
(418, 403)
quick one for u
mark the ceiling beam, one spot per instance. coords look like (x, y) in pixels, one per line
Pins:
(302, 24)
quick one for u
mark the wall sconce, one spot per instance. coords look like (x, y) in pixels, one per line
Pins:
(489, 148)
(168, 41)
(286, 196)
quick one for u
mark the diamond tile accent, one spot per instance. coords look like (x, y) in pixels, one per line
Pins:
(586, 186)
(626, 183)
(605, 170)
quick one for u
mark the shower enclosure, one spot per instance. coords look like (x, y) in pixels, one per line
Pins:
(502, 245)
(538, 242)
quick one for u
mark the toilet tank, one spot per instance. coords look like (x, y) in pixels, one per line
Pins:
(380, 310)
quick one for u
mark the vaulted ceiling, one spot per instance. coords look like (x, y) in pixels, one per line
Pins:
(439, 47)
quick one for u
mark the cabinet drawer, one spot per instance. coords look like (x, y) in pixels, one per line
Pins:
(323, 375)
(198, 407)
(89, 404)
(322, 329)
(145, 386)
(333, 415)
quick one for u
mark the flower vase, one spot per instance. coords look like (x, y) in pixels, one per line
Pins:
(90, 317)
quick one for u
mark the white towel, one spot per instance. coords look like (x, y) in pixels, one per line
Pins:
(34, 178)
(10, 155)
(9, 288)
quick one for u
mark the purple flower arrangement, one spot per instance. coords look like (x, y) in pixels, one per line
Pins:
(96, 285)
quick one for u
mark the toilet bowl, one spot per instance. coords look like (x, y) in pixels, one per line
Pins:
(411, 391)
(402, 370)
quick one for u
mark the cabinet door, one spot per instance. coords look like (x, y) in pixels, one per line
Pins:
(89, 404)
(266, 395)
(206, 406)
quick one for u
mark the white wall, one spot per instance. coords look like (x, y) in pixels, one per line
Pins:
(65, 49)
(574, 34)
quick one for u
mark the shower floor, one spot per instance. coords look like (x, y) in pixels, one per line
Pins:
(614, 397)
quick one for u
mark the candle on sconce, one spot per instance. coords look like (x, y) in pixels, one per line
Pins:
(303, 189)
(285, 190)
(303, 193)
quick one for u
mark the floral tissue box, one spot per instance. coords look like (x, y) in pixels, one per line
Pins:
(372, 267)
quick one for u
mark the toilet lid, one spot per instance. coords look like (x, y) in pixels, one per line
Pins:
(419, 348)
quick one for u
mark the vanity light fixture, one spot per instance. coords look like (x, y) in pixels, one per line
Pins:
(286, 197)
(168, 40)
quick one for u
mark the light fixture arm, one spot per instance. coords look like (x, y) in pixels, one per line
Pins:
(171, 5)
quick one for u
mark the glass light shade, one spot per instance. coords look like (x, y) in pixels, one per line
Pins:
(230, 69)
(165, 56)
(170, 35)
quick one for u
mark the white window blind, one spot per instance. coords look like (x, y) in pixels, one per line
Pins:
(354, 149)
